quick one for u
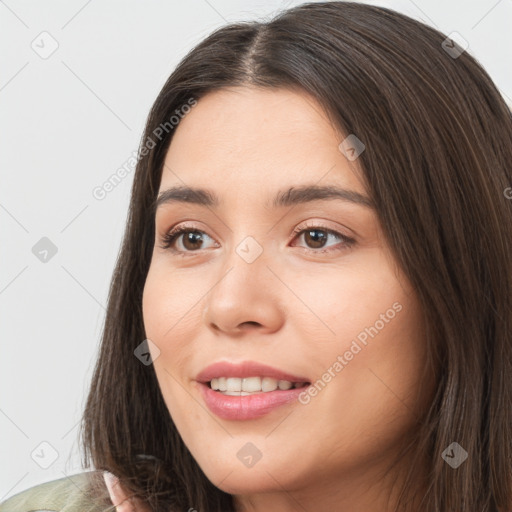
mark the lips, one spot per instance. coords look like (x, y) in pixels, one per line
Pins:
(251, 406)
(245, 369)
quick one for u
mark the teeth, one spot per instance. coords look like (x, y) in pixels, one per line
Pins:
(251, 384)
(269, 384)
(222, 384)
(234, 386)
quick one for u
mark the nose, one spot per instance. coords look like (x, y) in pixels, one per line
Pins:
(246, 298)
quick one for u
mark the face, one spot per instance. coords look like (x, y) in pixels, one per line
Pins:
(291, 287)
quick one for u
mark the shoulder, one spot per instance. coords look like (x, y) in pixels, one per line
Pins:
(84, 492)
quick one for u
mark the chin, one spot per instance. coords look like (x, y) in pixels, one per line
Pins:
(226, 470)
(245, 481)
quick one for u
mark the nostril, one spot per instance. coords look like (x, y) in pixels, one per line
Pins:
(250, 323)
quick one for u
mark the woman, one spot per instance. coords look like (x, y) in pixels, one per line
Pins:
(312, 307)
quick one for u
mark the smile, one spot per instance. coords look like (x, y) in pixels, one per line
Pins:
(247, 390)
(233, 386)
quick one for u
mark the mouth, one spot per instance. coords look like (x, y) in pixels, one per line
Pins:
(248, 390)
(233, 386)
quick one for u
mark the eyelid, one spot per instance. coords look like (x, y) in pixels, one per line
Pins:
(321, 224)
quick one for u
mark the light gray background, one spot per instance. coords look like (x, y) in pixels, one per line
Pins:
(68, 122)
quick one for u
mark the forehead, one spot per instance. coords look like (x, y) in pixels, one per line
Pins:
(257, 138)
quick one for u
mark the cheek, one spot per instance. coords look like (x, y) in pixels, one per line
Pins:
(171, 322)
(171, 306)
(366, 346)
(156, 304)
(334, 305)
(374, 399)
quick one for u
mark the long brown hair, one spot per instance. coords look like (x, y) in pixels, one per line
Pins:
(437, 166)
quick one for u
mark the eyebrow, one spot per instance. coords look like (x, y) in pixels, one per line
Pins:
(289, 197)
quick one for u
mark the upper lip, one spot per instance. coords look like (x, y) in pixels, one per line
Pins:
(245, 369)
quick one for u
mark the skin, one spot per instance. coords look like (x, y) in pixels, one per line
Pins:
(121, 498)
(291, 308)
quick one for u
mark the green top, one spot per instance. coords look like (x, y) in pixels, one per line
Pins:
(68, 494)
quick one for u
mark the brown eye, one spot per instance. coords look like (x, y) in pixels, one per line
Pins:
(192, 240)
(187, 239)
(315, 238)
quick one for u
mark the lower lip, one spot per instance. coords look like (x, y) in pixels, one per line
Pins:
(247, 407)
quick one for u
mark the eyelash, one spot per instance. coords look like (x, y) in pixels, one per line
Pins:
(172, 235)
